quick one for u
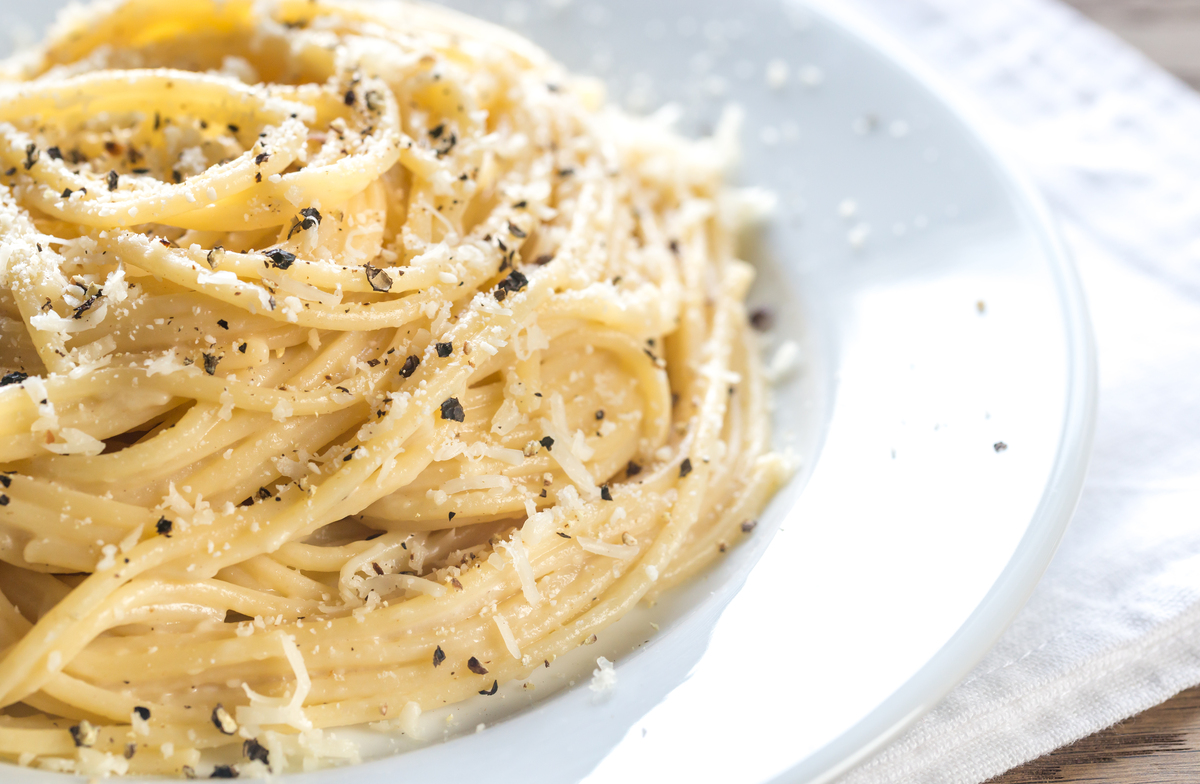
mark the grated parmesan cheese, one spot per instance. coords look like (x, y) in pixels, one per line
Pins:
(510, 641)
(264, 710)
(622, 551)
(131, 541)
(408, 720)
(109, 559)
(507, 417)
(520, 562)
(783, 362)
(281, 411)
(169, 362)
(604, 677)
(100, 764)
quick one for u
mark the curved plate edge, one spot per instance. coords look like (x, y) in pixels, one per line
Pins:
(1064, 485)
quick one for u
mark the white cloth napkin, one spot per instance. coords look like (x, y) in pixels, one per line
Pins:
(1114, 627)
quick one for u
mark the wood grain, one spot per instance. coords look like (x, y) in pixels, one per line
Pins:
(1168, 31)
(1162, 745)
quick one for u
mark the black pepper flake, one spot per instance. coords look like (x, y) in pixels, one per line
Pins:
(279, 258)
(112, 179)
(177, 176)
(210, 363)
(685, 467)
(224, 772)
(143, 712)
(3, 499)
(10, 172)
(564, 536)
(130, 750)
(474, 666)
(372, 98)
(445, 349)
(188, 772)
(242, 348)
(513, 283)
(379, 280)
(311, 213)
(565, 172)
(436, 131)
(232, 128)
(164, 526)
(674, 246)
(600, 414)
(222, 323)
(491, 691)
(749, 525)
(372, 363)
(547, 442)
(157, 121)
(84, 734)
(439, 656)
(31, 154)
(999, 446)
(255, 751)
(633, 469)
(516, 231)
(15, 377)
(410, 366)
(349, 98)
(264, 493)
(54, 153)
(262, 158)
(66, 194)
(309, 217)
(5, 480)
(223, 721)
(762, 319)
(453, 410)
(85, 306)
(604, 493)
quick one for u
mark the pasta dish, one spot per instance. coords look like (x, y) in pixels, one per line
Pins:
(356, 360)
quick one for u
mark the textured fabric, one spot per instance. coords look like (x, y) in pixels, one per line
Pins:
(1114, 626)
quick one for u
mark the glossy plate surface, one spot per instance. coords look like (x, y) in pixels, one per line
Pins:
(943, 409)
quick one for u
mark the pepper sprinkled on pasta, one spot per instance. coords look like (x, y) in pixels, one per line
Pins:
(356, 360)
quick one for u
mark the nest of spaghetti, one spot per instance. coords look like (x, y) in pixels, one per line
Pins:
(356, 362)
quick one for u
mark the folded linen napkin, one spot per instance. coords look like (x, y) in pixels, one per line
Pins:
(1114, 626)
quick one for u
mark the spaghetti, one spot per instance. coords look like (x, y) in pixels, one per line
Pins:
(355, 361)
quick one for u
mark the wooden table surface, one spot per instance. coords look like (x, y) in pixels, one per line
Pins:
(1162, 745)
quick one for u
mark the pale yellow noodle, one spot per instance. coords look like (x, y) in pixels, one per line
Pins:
(327, 332)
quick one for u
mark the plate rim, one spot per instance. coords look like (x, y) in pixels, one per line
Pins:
(1064, 482)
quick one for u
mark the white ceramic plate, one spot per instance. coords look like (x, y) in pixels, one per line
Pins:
(909, 539)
